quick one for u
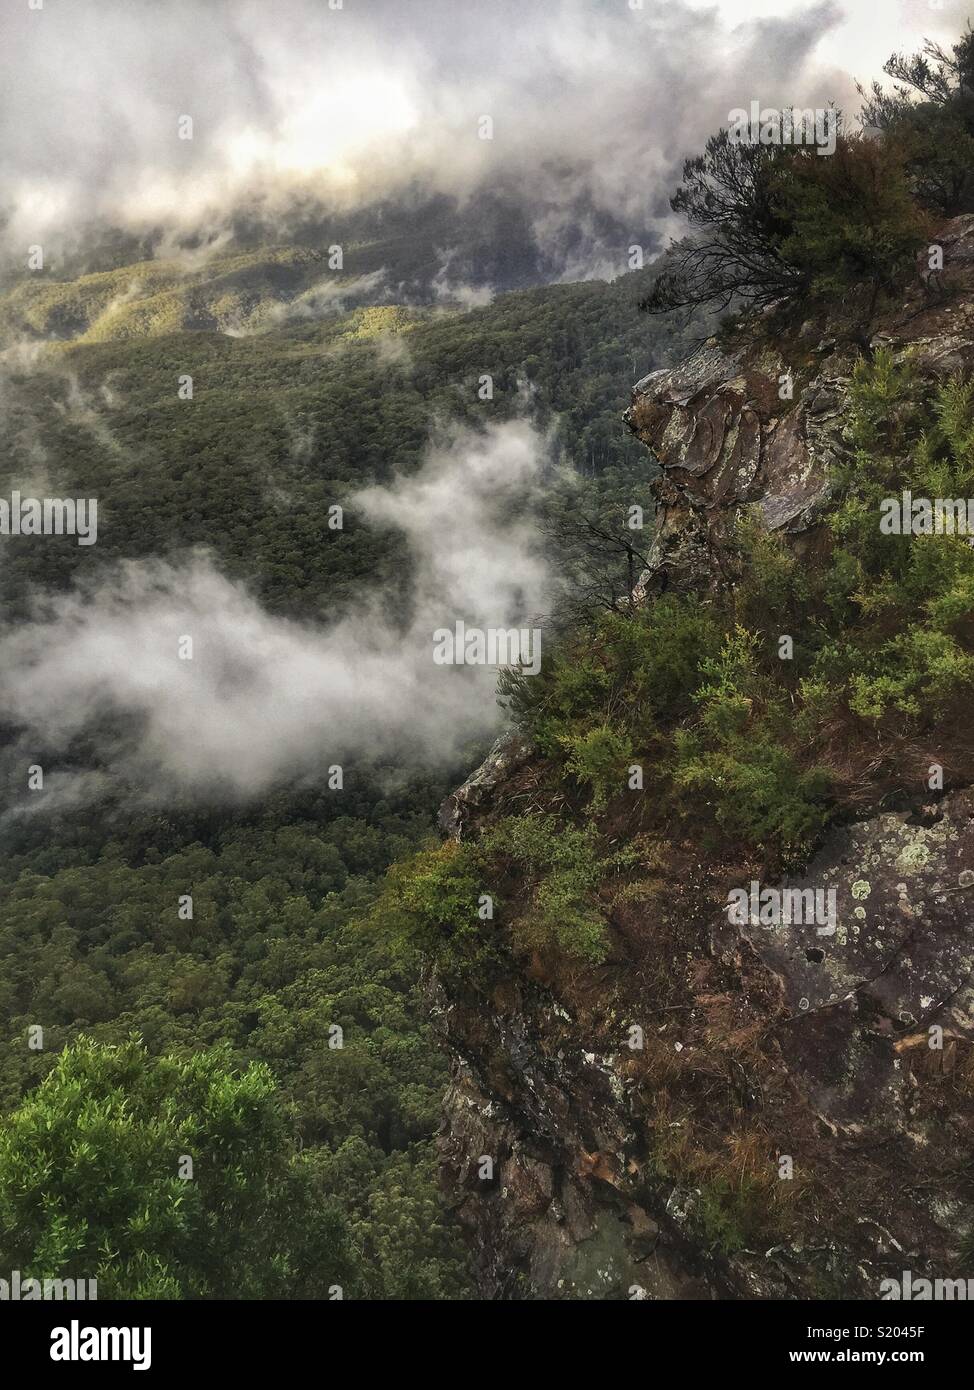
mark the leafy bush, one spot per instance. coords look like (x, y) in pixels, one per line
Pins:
(599, 758)
(621, 674)
(562, 868)
(430, 904)
(773, 587)
(853, 225)
(733, 256)
(736, 755)
(677, 688)
(905, 600)
(91, 1188)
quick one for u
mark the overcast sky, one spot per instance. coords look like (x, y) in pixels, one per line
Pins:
(293, 96)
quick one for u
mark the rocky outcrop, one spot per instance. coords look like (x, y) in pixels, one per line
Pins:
(535, 1157)
(837, 1046)
(725, 439)
(762, 424)
(474, 797)
(594, 1114)
(889, 977)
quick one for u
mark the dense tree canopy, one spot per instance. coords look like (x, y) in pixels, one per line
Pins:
(277, 955)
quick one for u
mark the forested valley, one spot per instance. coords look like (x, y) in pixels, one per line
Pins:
(277, 969)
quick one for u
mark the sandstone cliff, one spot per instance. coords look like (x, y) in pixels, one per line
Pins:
(805, 1059)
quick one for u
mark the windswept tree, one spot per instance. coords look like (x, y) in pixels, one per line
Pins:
(784, 221)
(853, 226)
(929, 114)
(937, 75)
(733, 255)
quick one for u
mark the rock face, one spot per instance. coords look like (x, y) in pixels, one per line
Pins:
(554, 1217)
(848, 1066)
(725, 439)
(896, 958)
(836, 1049)
(506, 755)
(763, 425)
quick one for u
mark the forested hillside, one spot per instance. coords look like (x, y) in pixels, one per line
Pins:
(286, 422)
(277, 955)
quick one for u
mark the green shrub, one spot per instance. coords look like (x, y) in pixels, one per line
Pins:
(773, 223)
(773, 589)
(736, 756)
(853, 224)
(562, 868)
(904, 601)
(430, 903)
(599, 759)
(625, 672)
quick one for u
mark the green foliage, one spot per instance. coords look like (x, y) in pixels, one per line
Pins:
(853, 224)
(929, 115)
(274, 957)
(776, 222)
(905, 600)
(599, 758)
(732, 259)
(625, 672)
(735, 755)
(678, 689)
(773, 588)
(728, 1217)
(431, 903)
(938, 150)
(91, 1188)
(554, 871)
(560, 867)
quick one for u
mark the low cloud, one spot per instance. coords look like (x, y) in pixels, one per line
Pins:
(452, 289)
(302, 105)
(265, 701)
(331, 299)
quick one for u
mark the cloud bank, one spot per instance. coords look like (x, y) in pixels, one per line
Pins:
(594, 104)
(264, 701)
